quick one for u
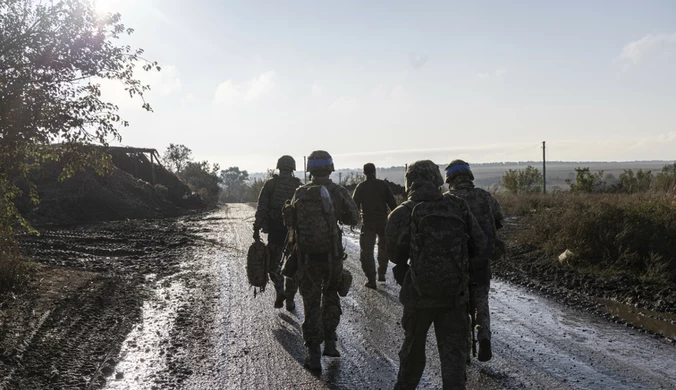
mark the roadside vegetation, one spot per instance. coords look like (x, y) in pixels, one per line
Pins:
(627, 227)
(53, 58)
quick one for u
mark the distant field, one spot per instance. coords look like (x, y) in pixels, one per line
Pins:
(489, 175)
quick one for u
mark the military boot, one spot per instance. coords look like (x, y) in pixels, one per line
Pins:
(330, 348)
(313, 361)
(485, 353)
(279, 302)
(371, 283)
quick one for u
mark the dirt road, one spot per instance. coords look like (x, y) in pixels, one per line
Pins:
(197, 325)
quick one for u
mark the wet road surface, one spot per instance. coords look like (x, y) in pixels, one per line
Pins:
(202, 328)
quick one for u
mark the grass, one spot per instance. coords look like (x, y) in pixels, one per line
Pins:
(14, 267)
(608, 233)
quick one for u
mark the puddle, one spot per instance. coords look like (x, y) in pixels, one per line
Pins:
(661, 323)
(142, 353)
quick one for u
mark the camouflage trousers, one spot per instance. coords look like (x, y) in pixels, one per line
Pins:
(482, 313)
(451, 326)
(320, 276)
(283, 285)
(367, 243)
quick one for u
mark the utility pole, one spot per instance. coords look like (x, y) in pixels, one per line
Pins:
(340, 178)
(544, 169)
(305, 169)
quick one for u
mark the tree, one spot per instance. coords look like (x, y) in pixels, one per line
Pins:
(640, 182)
(666, 179)
(176, 157)
(203, 179)
(587, 182)
(53, 56)
(234, 181)
(522, 180)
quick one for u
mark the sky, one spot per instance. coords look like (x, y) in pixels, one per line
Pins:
(391, 82)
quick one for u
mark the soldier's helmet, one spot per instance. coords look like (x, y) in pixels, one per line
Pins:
(320, 163)
(458, 171)
(423, 170)
(286, 162)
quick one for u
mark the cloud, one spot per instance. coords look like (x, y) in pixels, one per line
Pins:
(260, 86)
(500, 72)
(651, 44)
(228, 93)
(164, 82)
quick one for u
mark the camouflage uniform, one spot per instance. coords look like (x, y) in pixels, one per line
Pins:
(449, 316)
(275, 192)
(320, 274)
(489, 214)
(373, 196)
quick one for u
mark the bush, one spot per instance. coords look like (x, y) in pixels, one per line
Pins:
(610, 233)
(586, 181)
(522, 180)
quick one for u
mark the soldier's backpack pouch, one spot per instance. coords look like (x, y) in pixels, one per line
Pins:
(257, 260)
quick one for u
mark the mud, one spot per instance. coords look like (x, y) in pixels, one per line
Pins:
(164, 304)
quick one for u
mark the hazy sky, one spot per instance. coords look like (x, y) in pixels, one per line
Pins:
(395, 81)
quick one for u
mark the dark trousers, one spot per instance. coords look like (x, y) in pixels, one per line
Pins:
(451, 326)
(319, 277)
(367, 242)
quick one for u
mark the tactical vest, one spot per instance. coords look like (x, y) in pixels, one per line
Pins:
(284, 188)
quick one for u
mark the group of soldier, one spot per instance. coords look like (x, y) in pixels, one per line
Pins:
(430, 231)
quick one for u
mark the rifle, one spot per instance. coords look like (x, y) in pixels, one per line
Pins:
(290, 263)
(472, 314)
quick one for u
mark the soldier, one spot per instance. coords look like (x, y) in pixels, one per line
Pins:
(437, 233)
(275, 192)
(488, 213)
(317, 207)
(374, 197)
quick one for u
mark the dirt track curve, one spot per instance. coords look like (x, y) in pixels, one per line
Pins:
(197, 325)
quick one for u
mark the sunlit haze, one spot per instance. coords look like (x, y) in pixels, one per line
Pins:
(391, 82)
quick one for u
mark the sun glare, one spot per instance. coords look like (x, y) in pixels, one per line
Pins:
(109, 6)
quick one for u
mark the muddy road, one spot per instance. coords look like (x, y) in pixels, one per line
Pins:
(180, 314)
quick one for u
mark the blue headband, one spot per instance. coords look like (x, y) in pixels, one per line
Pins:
(455, 168)
(319, 163)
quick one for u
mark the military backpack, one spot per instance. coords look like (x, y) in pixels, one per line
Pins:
(314, 220)
(439, 252)
(257, 261)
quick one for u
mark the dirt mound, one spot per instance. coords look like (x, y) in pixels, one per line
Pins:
(88, 197)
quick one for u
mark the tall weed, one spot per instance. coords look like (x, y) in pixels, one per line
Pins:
(607, 232)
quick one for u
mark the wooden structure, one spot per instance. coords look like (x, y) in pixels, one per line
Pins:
(140, 153)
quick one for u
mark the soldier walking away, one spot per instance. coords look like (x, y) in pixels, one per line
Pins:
(314, 214)
(488, 214)
(275, 192)
(438, 234)
(374, 197)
